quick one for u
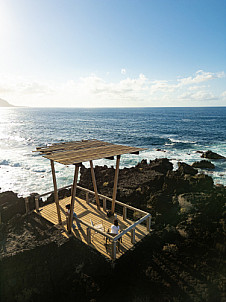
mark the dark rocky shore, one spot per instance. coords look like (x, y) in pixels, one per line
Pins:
(183, 259)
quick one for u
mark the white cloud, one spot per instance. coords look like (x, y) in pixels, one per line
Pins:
(223, 97)
(201, 76)
(161, 86)
(95, 91)
(223, 94)
(202, 96)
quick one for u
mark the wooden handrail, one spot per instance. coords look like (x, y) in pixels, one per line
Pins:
(100, 195)
(95, 229)
(110, 199)
(106, 235)
(115, 238)
(131, 227)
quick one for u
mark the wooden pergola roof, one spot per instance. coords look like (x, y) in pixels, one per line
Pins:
(85, 150)
(74, 153)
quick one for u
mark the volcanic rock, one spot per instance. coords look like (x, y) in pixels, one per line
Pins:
(200, 182)
(134, 184)
(10, 205)
(162, 165)
(212, 155)
(184, 168)
(35, 258)
(203, 164)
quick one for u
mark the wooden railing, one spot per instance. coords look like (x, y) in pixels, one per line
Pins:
(145, 217)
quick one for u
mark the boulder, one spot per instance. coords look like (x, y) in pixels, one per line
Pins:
(203, 164)
(200, 182)
(175, 183)
(10, 205)
(212, 155)
(162, 165)
(184, 168)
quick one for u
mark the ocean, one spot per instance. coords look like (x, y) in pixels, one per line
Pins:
(174, 133)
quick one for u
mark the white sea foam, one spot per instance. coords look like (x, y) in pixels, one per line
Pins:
(173, 140)
(25, 172)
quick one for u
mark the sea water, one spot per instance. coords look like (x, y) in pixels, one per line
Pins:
(174, 133)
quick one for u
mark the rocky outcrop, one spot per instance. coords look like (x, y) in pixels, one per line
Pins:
(4, 103)
(10, 205)
(212, 155)
(203, 164)
(134, 184)
(186, 243)
(184, 168)
(38, 263)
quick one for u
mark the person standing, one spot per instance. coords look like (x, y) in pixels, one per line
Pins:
(115, 227)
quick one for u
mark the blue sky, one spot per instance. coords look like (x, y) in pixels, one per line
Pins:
(113, 52)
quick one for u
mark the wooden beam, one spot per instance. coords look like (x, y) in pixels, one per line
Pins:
(36, 203)
(115, 184)
(94, 184)
(148, 223)
(124, 213)
(87, 197)
(136, 152)
(104, 205)
(110, 157)
(55, 191)
(88, 235)
(73, 193)
(113, 250)
(133, 236)
(26, 204)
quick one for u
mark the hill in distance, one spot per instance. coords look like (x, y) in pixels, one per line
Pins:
(4, 103)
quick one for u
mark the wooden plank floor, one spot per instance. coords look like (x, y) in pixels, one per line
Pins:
(86, 211)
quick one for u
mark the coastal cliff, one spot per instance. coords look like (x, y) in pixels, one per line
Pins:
(181, 260)
(4, 103)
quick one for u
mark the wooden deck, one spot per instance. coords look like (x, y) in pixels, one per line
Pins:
(86, 211)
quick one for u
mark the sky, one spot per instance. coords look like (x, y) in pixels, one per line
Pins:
(113, 53)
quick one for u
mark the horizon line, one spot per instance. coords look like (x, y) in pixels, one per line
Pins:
(115, 107)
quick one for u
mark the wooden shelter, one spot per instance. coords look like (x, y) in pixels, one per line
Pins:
(75, 153)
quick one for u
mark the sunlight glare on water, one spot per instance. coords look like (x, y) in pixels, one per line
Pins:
(175, 133)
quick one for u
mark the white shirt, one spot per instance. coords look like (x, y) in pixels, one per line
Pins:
(114, 229)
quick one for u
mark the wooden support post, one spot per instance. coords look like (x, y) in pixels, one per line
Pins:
(0, 218)
(73, 197)
(87, 197)
(26, 205)
(55, 191)
(36, 204)
(124, 213)
(88, 235)
(94, 184)
(115, 184)
(148, 224)
(133, 236)
(104, 205)
(113, 250)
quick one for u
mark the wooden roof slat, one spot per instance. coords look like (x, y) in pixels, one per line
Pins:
(81, 157)
(82, 151)
(74, 160)
(71, 145)
(89, 151)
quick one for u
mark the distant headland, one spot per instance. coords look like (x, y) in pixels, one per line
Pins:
(4, 103)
